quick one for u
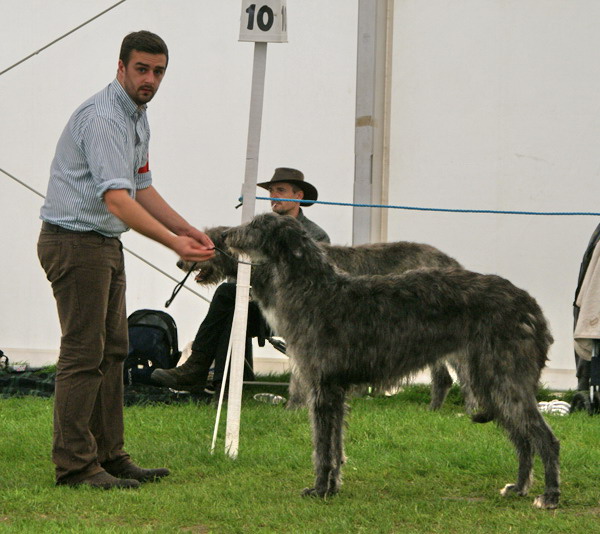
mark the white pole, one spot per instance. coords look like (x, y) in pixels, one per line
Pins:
(261, 23)
(240, 317)
(373, 82)
(220, 403)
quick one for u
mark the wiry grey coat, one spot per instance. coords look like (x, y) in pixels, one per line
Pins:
(344, 330)
(378, 258)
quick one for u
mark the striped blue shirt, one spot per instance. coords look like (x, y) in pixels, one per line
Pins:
(103, 146)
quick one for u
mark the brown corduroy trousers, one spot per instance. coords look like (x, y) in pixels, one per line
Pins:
(87, 274)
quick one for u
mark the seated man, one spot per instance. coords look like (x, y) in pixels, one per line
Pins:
(212, 339)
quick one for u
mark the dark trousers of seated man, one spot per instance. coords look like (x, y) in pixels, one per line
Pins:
(86, 271)
(212, 339)
(211, 343)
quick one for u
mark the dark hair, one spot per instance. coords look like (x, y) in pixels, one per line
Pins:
(142, 41)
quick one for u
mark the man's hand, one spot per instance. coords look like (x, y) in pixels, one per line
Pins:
(191, 244)
(201, 237)
(190, 249)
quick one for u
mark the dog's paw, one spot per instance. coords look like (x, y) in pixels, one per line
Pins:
(320, 494)
(546, 502)
(511, 489)
(310, 492)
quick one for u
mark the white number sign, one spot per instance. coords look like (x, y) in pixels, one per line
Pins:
(263, 21)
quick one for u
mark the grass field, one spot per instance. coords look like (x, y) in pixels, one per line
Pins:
(409, 471)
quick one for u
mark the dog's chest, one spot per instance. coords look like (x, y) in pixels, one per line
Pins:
(271, 317)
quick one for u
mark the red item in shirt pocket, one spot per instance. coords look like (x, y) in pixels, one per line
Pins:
(145, 168)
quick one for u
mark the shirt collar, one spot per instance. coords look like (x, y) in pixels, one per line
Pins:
(130, 107)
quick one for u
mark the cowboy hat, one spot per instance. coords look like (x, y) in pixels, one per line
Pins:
(294, 177)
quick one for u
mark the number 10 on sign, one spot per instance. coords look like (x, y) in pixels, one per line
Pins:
(263, 21)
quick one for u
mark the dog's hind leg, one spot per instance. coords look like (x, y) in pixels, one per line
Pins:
(529, 432)
(471, 405)
(441, 382)
(327, 412)
(297, 392)
(548, 447)
(524, 449)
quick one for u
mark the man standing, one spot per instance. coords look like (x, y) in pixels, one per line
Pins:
(100, 185)
(212, 338)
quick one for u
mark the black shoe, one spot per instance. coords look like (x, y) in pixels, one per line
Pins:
(132, 471)
(191, 373)
(162, 377)
(104, 480)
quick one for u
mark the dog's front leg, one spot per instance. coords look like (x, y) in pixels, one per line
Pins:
(327, 413)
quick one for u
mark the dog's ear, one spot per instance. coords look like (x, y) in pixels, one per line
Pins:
(216, 234)
(297, 250)
(290, 234)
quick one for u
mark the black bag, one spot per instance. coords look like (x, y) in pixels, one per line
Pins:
(153, 344)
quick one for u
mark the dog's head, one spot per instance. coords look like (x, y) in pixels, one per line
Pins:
(267, 237)
(218, 268)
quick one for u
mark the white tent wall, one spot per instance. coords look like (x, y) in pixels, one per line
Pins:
(199, 122)
(496, 105)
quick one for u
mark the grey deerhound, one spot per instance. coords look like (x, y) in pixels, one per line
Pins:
(378, 258)
(344, 330)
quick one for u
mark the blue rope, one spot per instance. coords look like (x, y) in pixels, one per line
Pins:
(448, 210)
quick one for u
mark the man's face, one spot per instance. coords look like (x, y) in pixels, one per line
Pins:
(142, 75)
(285, 190)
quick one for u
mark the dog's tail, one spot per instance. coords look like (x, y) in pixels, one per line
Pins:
(536, 326)
(521, 352)
(482, 417)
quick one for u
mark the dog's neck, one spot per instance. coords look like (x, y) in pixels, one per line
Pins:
(277, 279)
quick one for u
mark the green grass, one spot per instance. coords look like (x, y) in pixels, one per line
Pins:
(409, 470)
